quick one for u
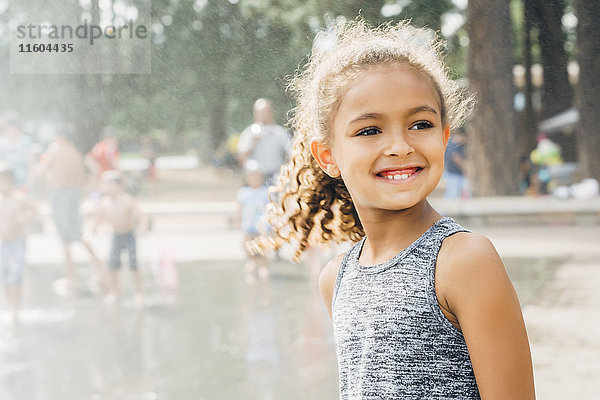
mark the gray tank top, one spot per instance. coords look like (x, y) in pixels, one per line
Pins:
(392, 339)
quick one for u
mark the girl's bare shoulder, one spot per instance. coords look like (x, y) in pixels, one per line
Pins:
(327, 279)
(466, 264)
(467, 247)
(473, 286)
(329, 272)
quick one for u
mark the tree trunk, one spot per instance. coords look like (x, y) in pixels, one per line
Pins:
(89, 114)
(217, 118)
(557, 94)
(492, 150)
(588, 44)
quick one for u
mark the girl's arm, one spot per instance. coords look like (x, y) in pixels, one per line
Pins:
(472, 282)
(327, 279)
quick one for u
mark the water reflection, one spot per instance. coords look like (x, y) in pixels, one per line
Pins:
(219, 338)
(216, 338)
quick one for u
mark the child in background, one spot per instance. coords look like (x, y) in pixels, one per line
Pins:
(16, 212)
(421, 307)
(120, 210)
(252, 200)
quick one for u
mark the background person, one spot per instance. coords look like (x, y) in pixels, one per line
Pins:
(16, 212)
(455, 166)
(16, 150)
(62, 165)
(264, 142)
(252, 200)
(121, 211)
(546, 154)
(104, 156)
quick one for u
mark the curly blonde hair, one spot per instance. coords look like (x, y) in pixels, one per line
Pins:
(307, 205)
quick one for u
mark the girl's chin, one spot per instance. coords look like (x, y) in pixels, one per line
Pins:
(392, 205)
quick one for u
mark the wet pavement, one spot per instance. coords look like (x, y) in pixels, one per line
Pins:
(217, 337)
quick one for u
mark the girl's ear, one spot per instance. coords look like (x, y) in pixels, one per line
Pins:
(446, 135)
(324, 158)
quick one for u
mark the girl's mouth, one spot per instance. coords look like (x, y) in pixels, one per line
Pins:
(399, 174)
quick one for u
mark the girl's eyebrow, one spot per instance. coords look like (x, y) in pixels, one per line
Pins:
(365, 116)
(411, 111)
(418, 109)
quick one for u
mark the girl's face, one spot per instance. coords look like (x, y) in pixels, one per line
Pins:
(388, 138)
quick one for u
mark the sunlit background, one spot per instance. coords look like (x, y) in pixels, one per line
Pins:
(206, 329)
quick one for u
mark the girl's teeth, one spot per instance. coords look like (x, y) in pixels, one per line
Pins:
(398, 176)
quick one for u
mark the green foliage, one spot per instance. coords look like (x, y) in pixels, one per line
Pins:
(211, 59)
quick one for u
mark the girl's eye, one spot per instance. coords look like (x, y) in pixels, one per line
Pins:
(368, 131)
(421, 125)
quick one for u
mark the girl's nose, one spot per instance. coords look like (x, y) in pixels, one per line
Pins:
(397, 145)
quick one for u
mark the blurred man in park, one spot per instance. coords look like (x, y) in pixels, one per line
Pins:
(63, 167)
(264, 142)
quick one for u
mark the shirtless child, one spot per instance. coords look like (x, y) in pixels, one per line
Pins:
(63, 168)
(15, 214)
(120, 210)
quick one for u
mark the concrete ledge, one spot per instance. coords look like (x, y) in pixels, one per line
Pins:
(477, 210)
(189, 209)
(482, 208)
(461, 207)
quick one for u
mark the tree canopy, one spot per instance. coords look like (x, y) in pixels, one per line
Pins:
(212, 58)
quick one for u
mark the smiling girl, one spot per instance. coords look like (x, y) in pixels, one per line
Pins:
(421, 307)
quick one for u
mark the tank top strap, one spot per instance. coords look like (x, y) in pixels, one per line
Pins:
(432, 242)
(343, 266)
(447, 227)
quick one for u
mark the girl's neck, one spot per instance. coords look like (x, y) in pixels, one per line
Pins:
(390, 232)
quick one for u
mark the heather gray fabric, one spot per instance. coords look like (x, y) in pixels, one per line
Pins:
(392, 340)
